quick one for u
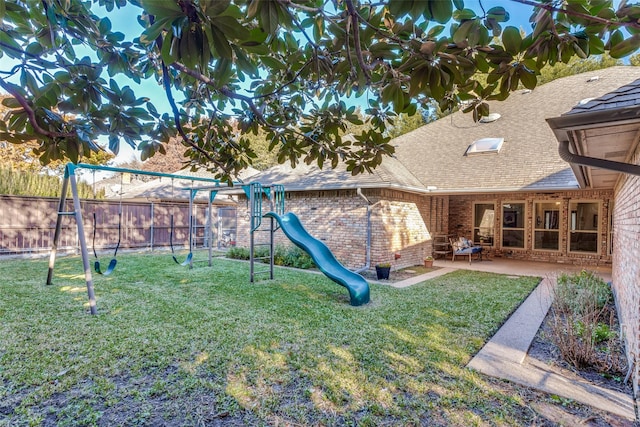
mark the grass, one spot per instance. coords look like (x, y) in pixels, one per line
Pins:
(172, 346)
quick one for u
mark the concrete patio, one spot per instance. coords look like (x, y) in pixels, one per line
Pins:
(505, 355)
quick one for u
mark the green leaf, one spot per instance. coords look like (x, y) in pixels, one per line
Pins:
(596, 45)
(435, 31)
(221, 44)
(10, 103)
(527, 78)
(161, 9)
(498, 13)
(511, 40)
(214, 7)
(626, 47)
(463, 14)
(150, 34)
(440, 10)
(253, 8)
(230, 28)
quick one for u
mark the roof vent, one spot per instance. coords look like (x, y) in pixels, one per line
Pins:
(593, 79)
(485, 146)
(584, 101)
(492, 117)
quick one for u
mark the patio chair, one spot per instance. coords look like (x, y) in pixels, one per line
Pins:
(464, 247)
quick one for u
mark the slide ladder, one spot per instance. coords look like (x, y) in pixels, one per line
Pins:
(255, 192)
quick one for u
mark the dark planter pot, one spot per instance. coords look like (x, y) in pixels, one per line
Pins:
(428, 263)
(382, 272)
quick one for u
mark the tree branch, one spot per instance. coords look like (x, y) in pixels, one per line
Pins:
(176, 118)
(356, 38)
(551, 8)
(32, 115)
(224, 90)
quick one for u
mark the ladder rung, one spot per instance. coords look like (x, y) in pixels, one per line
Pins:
(262, 244)
(66, 213)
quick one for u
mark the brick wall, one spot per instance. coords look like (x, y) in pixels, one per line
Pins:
(399, 224)
(626, 268)
(461, 224)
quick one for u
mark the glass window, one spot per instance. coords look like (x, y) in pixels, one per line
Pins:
(513, 225)
(583, 227)
(483, 220)
(547, 226)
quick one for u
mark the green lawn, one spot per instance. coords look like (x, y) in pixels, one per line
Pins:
(204, 346)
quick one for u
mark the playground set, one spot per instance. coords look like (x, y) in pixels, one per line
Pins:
(292, 227)
(288, 222)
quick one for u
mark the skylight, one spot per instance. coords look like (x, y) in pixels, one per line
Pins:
(485, 145)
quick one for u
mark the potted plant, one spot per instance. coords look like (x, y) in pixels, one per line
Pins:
(382, 270)
(428, 261)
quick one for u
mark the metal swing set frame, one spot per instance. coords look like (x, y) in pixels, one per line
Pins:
(70, 180)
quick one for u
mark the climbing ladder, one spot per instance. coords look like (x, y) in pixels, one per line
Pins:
(275, 194)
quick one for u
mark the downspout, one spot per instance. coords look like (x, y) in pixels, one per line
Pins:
(368, 246)
(569, 157)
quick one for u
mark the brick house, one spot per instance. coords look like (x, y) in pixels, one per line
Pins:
(600, 140)
(499, 182)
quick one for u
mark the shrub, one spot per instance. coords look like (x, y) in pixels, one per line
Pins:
(582, 323)
(238, 253)
(288, 256)
(296, 257)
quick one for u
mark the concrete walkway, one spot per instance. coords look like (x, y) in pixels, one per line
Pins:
(505, 355)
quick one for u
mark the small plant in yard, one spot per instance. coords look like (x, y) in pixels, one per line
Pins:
(583, 323)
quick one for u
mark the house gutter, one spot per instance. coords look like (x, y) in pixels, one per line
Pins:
(368, 245)
(576, 159)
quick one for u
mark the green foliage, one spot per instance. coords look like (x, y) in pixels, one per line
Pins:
(582, 291)
(576, 66)
(238, 252)
(288, 256)
(582, 323)
(21, 183)
(284, 69)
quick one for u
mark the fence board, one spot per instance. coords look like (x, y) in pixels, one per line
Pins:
(27, 224)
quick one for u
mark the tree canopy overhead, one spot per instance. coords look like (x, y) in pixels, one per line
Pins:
(285, 67)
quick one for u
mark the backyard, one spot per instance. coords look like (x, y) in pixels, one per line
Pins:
(173, 346)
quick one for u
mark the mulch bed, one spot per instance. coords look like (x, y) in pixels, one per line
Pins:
(543, 349)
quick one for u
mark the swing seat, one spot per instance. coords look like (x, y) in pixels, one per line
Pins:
(186, 262)
(109, 270)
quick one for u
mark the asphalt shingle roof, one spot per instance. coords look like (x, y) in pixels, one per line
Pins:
(625, 96)
(310, 177)
(528, 159)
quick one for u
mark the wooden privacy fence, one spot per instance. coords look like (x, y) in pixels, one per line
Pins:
(27, 224)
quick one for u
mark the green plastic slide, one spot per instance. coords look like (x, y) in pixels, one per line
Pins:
(325, 260)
